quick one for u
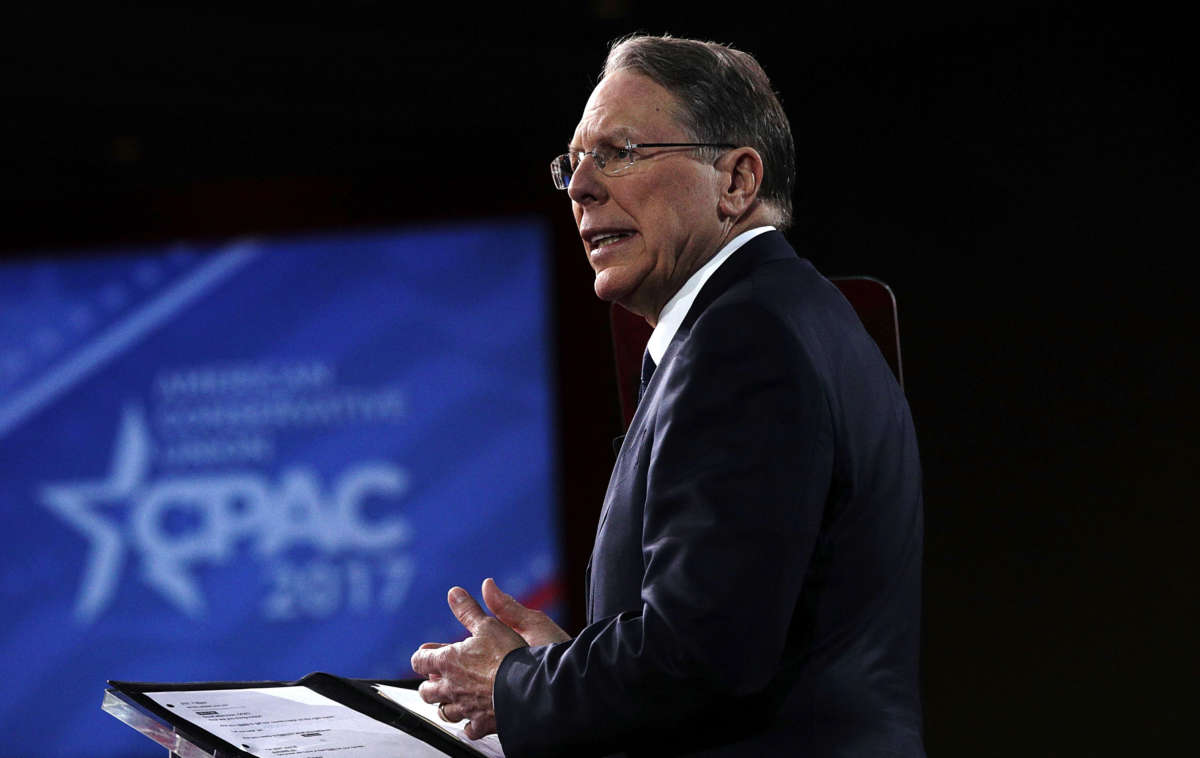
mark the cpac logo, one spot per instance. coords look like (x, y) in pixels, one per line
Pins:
(220, 510)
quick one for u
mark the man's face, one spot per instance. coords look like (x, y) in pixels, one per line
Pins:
(647, 230)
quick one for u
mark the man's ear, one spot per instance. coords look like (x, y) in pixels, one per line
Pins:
(742, 172)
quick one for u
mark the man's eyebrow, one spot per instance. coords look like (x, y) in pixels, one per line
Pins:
(614, 137)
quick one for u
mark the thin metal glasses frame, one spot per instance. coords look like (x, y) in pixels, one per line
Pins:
(561, 169)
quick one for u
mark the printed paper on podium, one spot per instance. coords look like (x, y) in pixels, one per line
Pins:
(312, 716)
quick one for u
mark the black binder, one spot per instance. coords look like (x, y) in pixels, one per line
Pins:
(356, 694)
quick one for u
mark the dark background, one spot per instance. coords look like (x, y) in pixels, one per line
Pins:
(1022, 174)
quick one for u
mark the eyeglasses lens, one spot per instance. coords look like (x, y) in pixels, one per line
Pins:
(560, 169)
(604, 156)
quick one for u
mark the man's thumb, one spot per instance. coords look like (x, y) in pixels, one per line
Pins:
(503, 606)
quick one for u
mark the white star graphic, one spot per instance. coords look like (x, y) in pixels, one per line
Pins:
(78, 503)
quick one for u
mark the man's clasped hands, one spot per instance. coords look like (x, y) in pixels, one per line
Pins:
(460, 675)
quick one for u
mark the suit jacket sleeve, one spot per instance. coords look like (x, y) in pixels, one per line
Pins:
(740, 447)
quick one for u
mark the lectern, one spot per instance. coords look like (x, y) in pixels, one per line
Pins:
(163, 734)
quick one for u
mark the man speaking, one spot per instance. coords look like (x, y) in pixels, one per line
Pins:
(754, 588)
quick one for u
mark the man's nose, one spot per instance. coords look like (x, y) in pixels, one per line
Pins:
(587, 183)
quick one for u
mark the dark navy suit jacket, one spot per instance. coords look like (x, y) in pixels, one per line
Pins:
(755, 584)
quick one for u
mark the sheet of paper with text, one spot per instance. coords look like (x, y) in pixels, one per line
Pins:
(272, 722)
(411, 699)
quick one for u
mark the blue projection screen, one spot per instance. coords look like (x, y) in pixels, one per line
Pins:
(261, 459)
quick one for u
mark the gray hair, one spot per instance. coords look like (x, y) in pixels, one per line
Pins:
(725, 96)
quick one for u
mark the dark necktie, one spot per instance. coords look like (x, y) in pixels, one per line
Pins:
(647, 372)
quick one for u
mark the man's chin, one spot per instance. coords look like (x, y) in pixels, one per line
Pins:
(612, 287)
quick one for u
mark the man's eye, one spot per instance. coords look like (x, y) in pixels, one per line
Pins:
(622, 154)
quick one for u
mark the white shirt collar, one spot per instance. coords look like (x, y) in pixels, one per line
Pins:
(681, 302)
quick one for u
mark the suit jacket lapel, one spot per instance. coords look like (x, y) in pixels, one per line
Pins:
(763, 248)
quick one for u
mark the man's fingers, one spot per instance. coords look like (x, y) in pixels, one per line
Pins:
(426, 661)
(451, 713)
(481, 727)
(500, 602)
(419, 662)
(465, 609)
(535, 627)
(506, 608)
(433, 691)
(427, 664)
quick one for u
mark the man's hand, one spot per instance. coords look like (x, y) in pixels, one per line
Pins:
(535, 627)
(461, 676)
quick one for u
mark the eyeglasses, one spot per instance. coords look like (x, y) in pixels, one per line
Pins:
(612, 161)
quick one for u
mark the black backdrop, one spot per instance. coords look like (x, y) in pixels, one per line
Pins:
(1023, 175)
